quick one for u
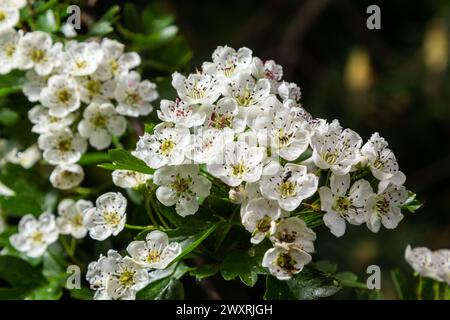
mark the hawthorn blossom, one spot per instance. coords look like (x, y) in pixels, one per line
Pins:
(260, 217)
(70, 217)
(115, 62)
(228, 62)
(283, 134)
(134, 96)
(343, 202)
(107, 217)
(37, 51)
(33, 85)
(129, 179)
(380, 159)
(181, 186)
(9, 40)
(166, 146)
(35, 235)
(225, 114)
(114, 277)
(196, 88)
(81, 58)
(26, 158)
(44, 122)
(62, 147)
(61, 95)
(292, 232)
(336, 149)
(385, 207)
(290, 185)
(284, 263)
(155, 252)
(421, 260)
(9, 16)
(94, 88)
(239, 162)
(100, 123)
(181, 113)
(442, 260)
(247, 92)
(289, 91)
(66, 176)
(207, 144)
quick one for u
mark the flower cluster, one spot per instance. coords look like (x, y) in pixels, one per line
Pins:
(237, 123)
(430, 264)
(83, 91)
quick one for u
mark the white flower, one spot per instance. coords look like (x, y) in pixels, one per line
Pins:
(9, 16)
(26, 159)
(267, 69)
(44, 122)
(9, 40)
(6, 192)
(166, 146)
(35, 235)
(94, 88)
(114, 277)
(336, 149)
(247, 92)
(61, 95)
(421, 260)
(289, 91)
(227, 62)
(66, 176)
(134, 96)
(68, 30)
(107, 217)
(342, 202)
(101, 122)
(62, 147)
(129, 179)
(196, 88)
(283, 263)
(385, 207)
(239, 162)
(36, 50)
(71, 216)
(181, 113)
(224, 115)
(259, 218)
(207, 144)
(289, 186)
(293, 233)
(81, 58)
(115, 61)
(380, 159)
(442, 260)
(283, 134)
(33, 85)
(181, 186)
(155, 252)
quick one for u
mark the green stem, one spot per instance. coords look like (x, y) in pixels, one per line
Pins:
(149, 210)
(68, 249)
(328, 177)
(419, 288)
(436, 287)
(133, 227)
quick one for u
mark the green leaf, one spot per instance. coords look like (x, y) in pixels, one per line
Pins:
(104, 25)
(245, 264)
(350, 280)
(21, 275)
(204, 271)
(149, 127)
(403, 286)
(93, 158)
(8, 117)
(198, 240)
(166, 288)
(83, 293)
(48, 22)
(309, 284)
(411, 204)
(123, 160)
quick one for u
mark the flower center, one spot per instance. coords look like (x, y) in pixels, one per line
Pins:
(99, 121)
(77, 220)
(167, 147)
(283, 138)
(9, 49)
(198, 92)
(126, 278)
(245, 99)
(378, 164)
(133, 99)
(37, 55)
(286, 262)
(238, 169)
(153, 256)
(111, 217)
(94, 87)
(37, 237)
(287, 189)
(65, 145)
(64, 96)
(114, 65)
(220, 121)
(342, 204)
(80, 64)
(381, 205)
(286, 236)
(330, 157)
(2, 15)
(181, 185)
(264, 224)
(229, 68)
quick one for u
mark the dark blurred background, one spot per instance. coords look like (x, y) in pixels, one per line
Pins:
(394, 81)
